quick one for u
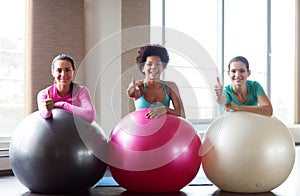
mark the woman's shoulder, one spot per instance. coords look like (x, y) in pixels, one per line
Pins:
(77, 85)
(170, 85)
(79, 88)
(253, 83)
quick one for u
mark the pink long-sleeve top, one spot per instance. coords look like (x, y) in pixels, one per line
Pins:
(78, 102)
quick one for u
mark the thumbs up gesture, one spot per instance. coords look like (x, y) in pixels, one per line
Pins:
(218, 87)
(133, 89)
(49, 104)
(220, 97)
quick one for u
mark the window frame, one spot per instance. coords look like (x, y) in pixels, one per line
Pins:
(222, 62)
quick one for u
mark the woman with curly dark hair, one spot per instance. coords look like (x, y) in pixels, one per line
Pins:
(152, 92)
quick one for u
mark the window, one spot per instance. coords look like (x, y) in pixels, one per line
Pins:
(283, 59)
(245, 34)
(226, 29)
(191, 37)
(12, 22)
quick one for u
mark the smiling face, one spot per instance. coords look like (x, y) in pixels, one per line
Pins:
(153, 68)
(238, 73)
(63, 72)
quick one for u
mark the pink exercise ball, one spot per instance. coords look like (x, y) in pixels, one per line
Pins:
(247, 153)
(153, 155)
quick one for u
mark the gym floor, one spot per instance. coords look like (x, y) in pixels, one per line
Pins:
(10, 186)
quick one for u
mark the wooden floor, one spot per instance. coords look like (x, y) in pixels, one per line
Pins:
(10, 186)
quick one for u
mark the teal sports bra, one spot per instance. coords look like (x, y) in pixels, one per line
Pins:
(142, 103)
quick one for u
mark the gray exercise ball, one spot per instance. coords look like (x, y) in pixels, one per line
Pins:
(58, 155)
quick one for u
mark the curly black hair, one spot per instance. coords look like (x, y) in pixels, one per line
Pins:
(152, 50)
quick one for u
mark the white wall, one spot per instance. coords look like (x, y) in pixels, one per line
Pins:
(102, 62)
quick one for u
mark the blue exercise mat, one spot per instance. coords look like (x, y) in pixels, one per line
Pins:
(107, 181)
(198, 181)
